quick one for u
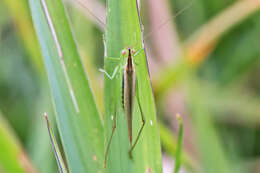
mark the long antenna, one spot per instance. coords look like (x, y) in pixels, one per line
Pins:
(166, 21)
(99, 20)
(80, 2)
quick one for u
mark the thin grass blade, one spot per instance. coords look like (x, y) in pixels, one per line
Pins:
(179, 146)
(55, 147)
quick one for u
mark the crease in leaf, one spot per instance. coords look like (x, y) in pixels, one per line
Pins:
(58, 46)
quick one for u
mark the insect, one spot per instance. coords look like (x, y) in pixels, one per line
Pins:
(129, 91)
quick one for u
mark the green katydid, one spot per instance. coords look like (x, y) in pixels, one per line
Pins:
(129, 91)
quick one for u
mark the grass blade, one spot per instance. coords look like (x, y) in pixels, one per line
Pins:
(169, 144)
(78, 120)
(179, 146)
(123, 30)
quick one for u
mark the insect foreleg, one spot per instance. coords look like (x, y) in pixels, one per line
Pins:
(113, 74)
(143, 122)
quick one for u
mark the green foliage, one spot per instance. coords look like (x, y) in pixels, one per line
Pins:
(78, 120)
(220, 45)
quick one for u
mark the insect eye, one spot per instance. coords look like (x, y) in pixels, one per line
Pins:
(123, 52)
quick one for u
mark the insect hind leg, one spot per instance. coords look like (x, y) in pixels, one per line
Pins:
(140, 130)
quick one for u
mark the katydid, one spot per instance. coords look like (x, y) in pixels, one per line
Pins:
(129, 91)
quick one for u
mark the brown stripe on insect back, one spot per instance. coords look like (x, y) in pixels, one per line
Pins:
(129, 92)
(129, 61)
(122, 91)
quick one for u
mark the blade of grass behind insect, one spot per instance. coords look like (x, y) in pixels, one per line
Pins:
(78, 120)
(123, 30)
(12, 157)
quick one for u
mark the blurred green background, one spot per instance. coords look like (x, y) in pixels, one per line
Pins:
(209, 49)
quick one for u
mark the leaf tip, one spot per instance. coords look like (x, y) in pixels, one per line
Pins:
(46, 118)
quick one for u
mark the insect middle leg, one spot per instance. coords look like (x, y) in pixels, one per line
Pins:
(142, 127)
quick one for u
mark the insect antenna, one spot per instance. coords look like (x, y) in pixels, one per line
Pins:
(102, 22)
(164, 23)
(99, 20)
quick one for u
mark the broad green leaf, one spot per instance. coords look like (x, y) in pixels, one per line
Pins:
(123, 30)
(12, 157)
(78, 120)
